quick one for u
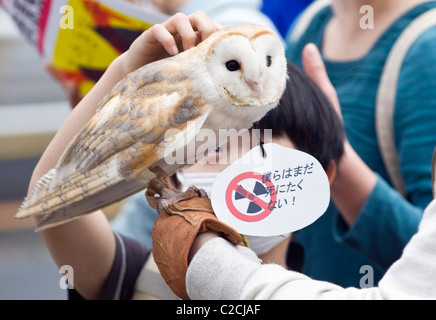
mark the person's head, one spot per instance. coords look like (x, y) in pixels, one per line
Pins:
(303, 119)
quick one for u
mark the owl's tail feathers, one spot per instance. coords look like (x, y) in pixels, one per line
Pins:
(58, 202)
(29, 206)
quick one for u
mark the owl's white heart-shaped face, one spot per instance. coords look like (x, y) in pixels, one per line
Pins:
(248, 66)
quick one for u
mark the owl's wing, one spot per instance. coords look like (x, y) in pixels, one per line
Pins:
(109, 159)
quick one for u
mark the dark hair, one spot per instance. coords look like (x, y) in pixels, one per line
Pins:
(305, 115)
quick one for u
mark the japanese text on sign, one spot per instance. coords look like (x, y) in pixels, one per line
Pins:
(286, 182)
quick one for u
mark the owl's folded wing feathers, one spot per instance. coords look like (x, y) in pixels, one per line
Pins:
(109, 159)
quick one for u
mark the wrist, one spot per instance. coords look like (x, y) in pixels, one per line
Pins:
(353, 185)
(121, 64)
(118, 67)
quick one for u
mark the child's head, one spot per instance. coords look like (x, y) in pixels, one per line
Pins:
(305, 116)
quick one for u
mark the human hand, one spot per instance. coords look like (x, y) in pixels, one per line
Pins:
(179, 33)
(176, 232)
(315, 69)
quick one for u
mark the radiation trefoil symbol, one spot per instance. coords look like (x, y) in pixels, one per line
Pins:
(248, 197)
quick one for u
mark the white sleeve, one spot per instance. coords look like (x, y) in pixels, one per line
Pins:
(413, 276)
(221, 270)
(240, 275)
(211, 276)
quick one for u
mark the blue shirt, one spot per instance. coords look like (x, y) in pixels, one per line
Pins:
(283, 12)
(334, 252)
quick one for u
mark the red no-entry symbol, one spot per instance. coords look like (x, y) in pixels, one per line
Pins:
(258, 209)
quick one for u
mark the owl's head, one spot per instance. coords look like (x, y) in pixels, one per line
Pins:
(247, 66)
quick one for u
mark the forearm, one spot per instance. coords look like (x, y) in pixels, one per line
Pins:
(385, 225)
(352, 186)
(236, 273)
(372, 211)
(88, 246)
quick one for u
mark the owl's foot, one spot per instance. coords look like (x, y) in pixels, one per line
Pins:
(161, 196)
(171, 198)
(154, 191)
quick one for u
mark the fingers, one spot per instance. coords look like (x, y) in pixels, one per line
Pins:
(179, 33)
(315, 69)
(190, 29)
(160, 34)
(180, 28)
(202, 23)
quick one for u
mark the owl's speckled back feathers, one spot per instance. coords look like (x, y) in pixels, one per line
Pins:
(112, 156)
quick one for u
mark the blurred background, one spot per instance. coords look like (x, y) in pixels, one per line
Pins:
(32, 107)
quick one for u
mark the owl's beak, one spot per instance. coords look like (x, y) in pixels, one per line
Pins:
(255, 86)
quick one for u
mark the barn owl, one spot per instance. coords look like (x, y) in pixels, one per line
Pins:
(228, 81)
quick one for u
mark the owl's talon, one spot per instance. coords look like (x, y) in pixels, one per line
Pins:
(200, 192)
(171, 197)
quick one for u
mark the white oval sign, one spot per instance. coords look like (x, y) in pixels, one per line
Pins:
(284, 192)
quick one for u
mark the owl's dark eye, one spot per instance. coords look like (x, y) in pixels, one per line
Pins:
(268, 61)
(232, 65)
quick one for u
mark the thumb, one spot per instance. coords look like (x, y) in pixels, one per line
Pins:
(315, 69)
